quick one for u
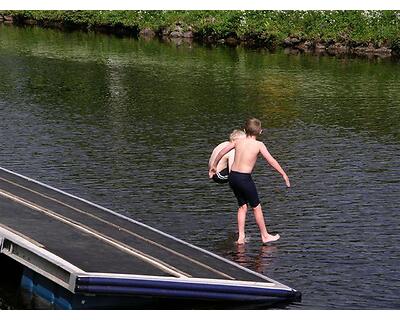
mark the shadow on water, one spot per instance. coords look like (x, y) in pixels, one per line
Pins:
(10, 277)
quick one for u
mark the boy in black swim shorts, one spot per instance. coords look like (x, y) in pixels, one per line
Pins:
(244, 189)
(246, 153)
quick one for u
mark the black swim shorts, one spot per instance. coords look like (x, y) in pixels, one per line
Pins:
(222, 176)
(244, 188)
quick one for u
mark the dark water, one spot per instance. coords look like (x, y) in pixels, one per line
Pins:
(130, 125)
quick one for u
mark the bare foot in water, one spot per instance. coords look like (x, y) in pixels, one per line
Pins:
(241, 241)
(271, 238)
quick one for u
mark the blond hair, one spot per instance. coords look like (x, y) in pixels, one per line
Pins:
(236, 134)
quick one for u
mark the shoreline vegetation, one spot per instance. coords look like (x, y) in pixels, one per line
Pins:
(339, 33)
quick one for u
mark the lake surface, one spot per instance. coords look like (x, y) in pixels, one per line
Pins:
(130, 124)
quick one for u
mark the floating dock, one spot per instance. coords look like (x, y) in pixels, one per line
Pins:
(78, 255)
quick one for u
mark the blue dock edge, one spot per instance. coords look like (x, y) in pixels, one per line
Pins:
(179, 290)
(102, 292)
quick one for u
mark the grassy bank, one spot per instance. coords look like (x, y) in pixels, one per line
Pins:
(263, 28)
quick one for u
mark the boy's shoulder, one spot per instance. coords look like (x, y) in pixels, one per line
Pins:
(259, 145)
(253, 144)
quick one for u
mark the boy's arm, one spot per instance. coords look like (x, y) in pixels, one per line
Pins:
(270, 159)
(223, 152)
(211, 159)
(231, 158)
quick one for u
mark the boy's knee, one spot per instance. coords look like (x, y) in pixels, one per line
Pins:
(243, 207)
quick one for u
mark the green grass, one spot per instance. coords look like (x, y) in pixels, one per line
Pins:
(354, 27)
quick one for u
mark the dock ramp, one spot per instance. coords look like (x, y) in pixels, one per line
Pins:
(78, 255)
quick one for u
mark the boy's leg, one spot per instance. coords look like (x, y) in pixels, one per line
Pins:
(241, 216)
(265, 236)
(235, 182)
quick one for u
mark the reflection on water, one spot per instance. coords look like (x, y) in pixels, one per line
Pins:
(258, 262)
(130, 124)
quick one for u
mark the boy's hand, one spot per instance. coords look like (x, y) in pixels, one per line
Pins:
(212, 171)
(286, 180)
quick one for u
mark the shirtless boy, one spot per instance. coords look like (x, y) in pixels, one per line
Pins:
(225, 164)
(246, 153)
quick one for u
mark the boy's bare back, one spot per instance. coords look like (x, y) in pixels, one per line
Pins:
(246, 152)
